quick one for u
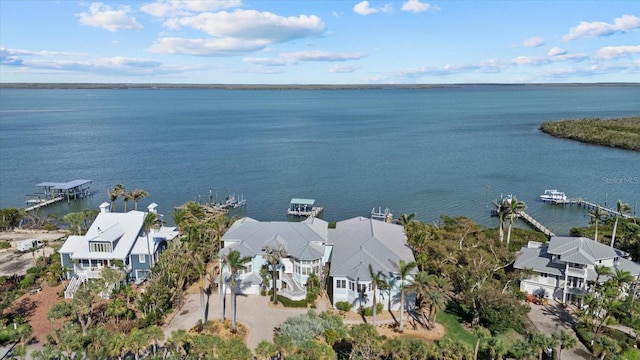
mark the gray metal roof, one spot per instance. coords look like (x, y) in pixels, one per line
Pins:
(581, 250)
(538, 260)
(360, 241)
(302, 240)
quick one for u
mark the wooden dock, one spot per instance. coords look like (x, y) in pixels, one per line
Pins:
(53, 192)
(589, 206)
(43, 203)
(535, 224)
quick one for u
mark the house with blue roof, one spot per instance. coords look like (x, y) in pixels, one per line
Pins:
(563, 267)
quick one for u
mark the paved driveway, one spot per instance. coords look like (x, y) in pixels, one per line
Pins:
(253, 311)
(553, 317)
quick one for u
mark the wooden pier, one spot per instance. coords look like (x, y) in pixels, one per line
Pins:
(43, 203)
(53, 192)
(589, 206)
(535, 224)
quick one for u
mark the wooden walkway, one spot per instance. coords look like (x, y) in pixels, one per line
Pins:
(43, 204)
(535, 224)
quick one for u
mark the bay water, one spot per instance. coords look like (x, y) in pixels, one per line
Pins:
(431, 151)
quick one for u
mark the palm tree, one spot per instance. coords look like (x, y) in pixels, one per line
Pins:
(138, 195)
(421, 284)
(273, 255)
(606, 345)
(496, 348)
(501, 211)
(404, 269)
(126, 197)
(565, 340)
(513, 208)
(480, 333)
(234, 263)
(596, 215)
(114, 194)
(622, 209)
(376, 278)
(149, 221)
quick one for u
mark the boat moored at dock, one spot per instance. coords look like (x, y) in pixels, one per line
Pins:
(303, 207)
(554, 196)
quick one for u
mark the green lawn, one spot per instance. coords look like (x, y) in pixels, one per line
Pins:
(455, 330)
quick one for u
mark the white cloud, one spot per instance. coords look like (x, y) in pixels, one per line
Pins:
(363, 8)
(269, 61)
(614, 52)
(415, 6)
(530, 60)
(237, 32)
(622, 24)
(106, 17)
(556, 51)
(206, 47)
(50, 60)
(343, 69)
(251, 24)
(169, 8)
(533, 42)
(323, 56)
(296, 57)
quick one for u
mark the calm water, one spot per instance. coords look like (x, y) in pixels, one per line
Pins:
(429, 151)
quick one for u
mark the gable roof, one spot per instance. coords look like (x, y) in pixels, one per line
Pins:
(361, 241)
(119, 228)
(302, 240)
(581, 250)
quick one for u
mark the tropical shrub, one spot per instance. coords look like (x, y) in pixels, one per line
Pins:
(344, 306)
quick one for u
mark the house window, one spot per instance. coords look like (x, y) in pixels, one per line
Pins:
(543, 275)
(99, 247)
(362, 287)
(341, 284)
(351, 285)
(246, 270)
(142, 258)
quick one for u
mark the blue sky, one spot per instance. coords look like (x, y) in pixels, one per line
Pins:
(319, 42)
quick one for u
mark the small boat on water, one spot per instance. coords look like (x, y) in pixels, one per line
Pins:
(554, 196)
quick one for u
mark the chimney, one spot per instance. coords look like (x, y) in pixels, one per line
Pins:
(153, 208)
(104, 207)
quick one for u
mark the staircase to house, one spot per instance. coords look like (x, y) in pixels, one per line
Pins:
(74, 284)
(293, 291)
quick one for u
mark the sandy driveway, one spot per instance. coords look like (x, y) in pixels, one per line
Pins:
(553, 317)
(13, 262)
(253, 311)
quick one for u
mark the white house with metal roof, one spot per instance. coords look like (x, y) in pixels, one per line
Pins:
(310, 244)
(355, 244)
(303, 241)
(115, 238)
(563, 266)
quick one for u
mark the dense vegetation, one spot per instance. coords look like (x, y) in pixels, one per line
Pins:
(620, 133)
(462, 279)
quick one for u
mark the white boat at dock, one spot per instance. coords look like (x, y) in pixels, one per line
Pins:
(303, 207)
(554, 196)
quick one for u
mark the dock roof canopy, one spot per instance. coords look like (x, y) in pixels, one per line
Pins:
(298, 201)
(64, 186)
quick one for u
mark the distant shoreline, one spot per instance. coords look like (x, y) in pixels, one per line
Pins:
(621, 133)
(160, 86)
